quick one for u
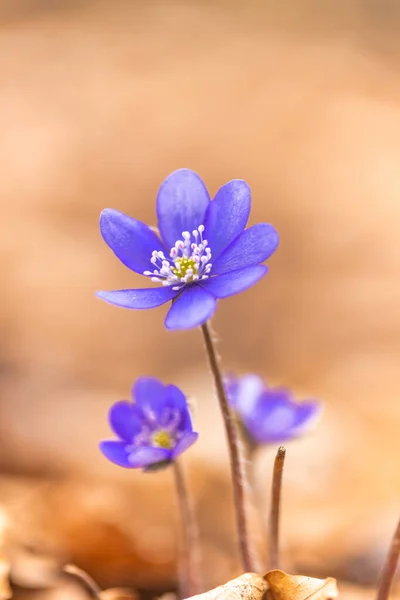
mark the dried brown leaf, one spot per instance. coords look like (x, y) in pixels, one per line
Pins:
(168, 596)
(33, 570)
(249, 586)
(118, 594)
(298, 587)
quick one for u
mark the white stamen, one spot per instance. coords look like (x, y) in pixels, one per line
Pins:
(188, 261)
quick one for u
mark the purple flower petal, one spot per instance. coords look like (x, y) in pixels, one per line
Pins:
(274, 419)
(131, 241)
(182, 202)
(125, 420)
(184, 443)
(227, 215)
(148, 455)
(270, 415)
(139, 299)
(231, 385)
(150, 394)
(193, 307)
(177, 402)
(248, 392)
(306, 413)
(116, 453)
(252, 247)
(234, 282)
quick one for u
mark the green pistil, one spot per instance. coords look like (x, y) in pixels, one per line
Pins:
(162, 439)
(182, 265)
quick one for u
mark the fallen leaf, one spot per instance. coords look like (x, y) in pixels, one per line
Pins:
(32, 569)
(118, 594)
(168, 596)
(249, 586)
(299, 587)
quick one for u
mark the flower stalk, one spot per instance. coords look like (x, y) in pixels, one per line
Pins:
(390, 566)
(236, 460)
(189, 575)
(274, 517)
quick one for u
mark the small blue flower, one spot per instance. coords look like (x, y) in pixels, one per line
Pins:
(269, 415)
(204, 254)
(155, 429)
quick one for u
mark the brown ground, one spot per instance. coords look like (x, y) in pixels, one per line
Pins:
(98, 103)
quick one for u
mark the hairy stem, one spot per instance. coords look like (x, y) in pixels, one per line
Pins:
(189, 553)
(236, 460)
(275, 508)
(390, 566)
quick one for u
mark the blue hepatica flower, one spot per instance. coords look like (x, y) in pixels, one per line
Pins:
(269, 415)
(204, 254)
(154, 429)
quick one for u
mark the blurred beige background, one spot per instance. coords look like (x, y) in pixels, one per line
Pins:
(99, 101)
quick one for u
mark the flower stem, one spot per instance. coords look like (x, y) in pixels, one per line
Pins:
(275, 508)
(236, 460)
(390, 566)
(189, 553)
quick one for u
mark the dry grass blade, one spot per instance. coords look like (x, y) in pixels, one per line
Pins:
(275, 508)
(389, 569)
(5, 590)
(85, 579)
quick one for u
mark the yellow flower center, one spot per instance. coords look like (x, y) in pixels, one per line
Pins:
(182, 265)
(162, 439)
